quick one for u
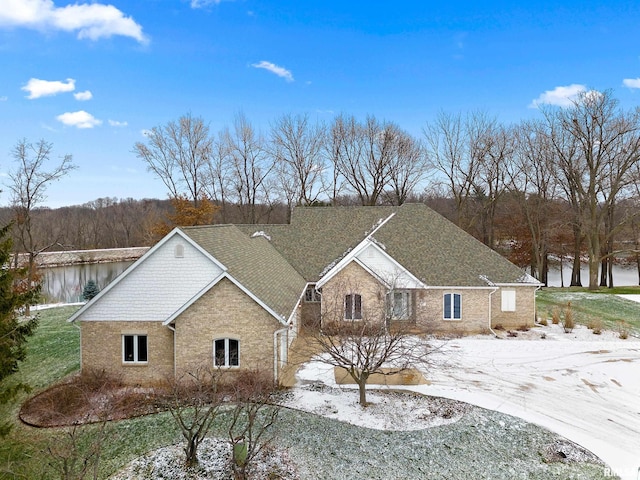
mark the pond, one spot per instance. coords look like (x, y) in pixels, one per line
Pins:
(65, 284)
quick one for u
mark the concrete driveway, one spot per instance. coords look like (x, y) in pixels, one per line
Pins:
(580, 385)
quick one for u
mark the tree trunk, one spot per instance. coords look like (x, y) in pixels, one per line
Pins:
(604, 270)
(576, 281)
(362, 388)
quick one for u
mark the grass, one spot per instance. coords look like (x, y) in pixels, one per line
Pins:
(590, 307)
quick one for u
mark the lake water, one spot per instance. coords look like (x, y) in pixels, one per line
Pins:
(65, 284)
(622, 276)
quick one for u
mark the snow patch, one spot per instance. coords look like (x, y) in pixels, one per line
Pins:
(261, 234)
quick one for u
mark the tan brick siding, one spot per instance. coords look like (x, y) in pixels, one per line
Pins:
(101, 344)
(430, 311)
(225, 312)
(353, 279)
(525, 309)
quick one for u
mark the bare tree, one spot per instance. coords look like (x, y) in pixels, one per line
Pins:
(178, 153)
(297, 146)
(250, 167)
(534, 182)
(601, 145)
(28, 184)
(193, 402)
(365, 340)
(252, 417)
(408, 168)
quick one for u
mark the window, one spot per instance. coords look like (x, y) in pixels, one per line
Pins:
(508, 300)
(226, 352)
(353, 307)
(134, 348)
(178, 251)
(399, 302)
(311, 295)
(452, 306)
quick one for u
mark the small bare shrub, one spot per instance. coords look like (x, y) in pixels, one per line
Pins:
(623, 330)
(568, 322)
(511, 333)
(543, 321)
(498, 327)
(596, 326)
(523, 328)
(555, 316)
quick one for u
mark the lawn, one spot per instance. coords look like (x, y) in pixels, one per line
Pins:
(589, 306)
(322, 447)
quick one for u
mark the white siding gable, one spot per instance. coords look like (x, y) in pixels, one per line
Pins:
(384, 267)
(157, 286)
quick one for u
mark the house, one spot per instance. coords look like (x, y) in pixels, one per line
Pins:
(236, 296)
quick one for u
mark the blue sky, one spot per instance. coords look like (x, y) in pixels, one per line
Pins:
(90, 77)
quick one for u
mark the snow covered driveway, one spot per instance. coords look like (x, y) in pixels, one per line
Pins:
(579, 385)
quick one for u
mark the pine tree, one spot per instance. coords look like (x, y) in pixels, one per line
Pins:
(90, 290)
(15, 293)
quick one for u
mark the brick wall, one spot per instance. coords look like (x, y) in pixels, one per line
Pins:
(353, 279)
(525, 309)
(101, 344)
(430, 311)
(225, 312)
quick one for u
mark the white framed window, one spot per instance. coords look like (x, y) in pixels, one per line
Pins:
(134, 348)
(399, 304)
(508, 300)
(311, 295)
(226, 352)
(452, 306)
(353, 306)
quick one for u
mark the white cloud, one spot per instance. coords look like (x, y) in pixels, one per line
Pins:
(79, 119)
(559, 96)
(203, 3)
(116, 123)
(83, 96)
(44, 88)
(631, 82)
(273, 68)
(90, 20)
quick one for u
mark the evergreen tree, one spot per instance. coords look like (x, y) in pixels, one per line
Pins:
(90, 290)
(16, 293)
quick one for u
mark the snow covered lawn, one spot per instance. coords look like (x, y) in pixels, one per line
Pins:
(582, 386)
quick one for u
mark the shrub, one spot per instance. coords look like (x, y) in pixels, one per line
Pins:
(543, 322)
(568, 322)
(555, 316)
(90, 290)
(523, 328)
(498, 327)
(596, 326)
(623, 330)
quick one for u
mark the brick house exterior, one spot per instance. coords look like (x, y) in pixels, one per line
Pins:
(236, 296)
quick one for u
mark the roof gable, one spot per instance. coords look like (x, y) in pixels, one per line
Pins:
(158, 284)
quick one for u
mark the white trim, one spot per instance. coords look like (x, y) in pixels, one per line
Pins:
(136, 354)
(538, 285)
(356, 251)
(137, 263)
(226, 275)
(451, 306)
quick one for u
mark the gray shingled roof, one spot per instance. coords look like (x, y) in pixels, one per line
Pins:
(253, 262)
(432, 248)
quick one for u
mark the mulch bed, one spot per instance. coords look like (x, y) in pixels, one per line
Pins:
(84, 400)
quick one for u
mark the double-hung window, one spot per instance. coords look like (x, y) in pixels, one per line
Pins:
(226, 352)
(134, 348)
(452, 306)
(399, 304)
(353, 306)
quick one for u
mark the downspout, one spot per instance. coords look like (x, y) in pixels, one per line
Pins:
(173, 329)
(276, 350)
(490, 301)
(80, 332)
(495, 289)
(535, 309)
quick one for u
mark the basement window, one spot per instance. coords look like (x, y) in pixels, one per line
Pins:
(134, 348)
